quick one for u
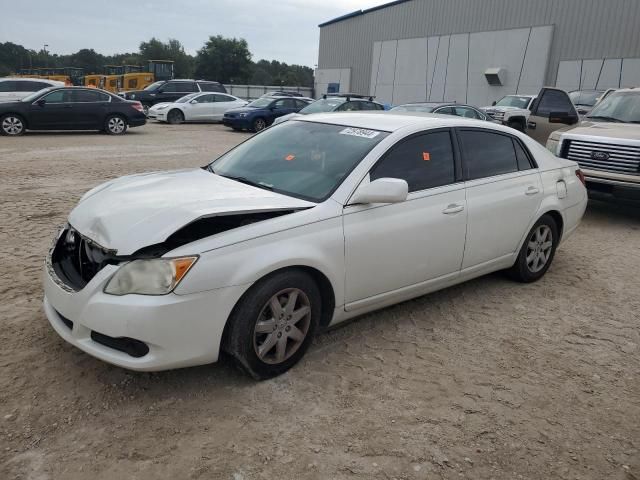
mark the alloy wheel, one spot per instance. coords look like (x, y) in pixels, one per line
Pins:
(282, 326)
(260, 124)
(539, 248)
(116, 125)
(12, 125)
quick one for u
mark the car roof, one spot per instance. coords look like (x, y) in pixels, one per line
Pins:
(391, 121)
(13, 79)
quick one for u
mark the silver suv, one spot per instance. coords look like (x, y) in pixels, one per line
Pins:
(606, 145)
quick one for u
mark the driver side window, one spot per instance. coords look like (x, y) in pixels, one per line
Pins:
(424, 161)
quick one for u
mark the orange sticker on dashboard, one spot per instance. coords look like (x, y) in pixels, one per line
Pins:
(426, 156)
(289, 157)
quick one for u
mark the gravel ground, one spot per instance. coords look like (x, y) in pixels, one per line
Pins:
(486, 380)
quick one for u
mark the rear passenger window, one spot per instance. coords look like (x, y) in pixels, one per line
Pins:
(424, 161)
(487, 154)
(523, 159)
(210, 87)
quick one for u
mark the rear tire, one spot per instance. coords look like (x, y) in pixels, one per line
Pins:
(175, 117)
(115, 125)
(274, 323)
(12, 125)
(537, 253)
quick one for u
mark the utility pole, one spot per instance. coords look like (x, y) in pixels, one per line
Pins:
(46, 55)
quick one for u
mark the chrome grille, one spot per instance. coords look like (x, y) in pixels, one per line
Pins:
(621, 158)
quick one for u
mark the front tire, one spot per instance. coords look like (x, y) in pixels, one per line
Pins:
(115, 125)
(12, 125)
(175, 117)
(259, 124)
(537, 253)
(274, 323)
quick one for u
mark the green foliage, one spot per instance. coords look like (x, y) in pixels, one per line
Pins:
(223, 59)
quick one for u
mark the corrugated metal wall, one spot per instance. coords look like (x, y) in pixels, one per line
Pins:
(583, 29)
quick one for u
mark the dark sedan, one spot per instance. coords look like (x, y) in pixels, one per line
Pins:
(261, 113)
(70, 108)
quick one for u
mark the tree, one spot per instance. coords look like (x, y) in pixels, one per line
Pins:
(87, 58)
(225, 60)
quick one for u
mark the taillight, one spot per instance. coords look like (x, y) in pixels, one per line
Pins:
(580, 176)
(138, 106)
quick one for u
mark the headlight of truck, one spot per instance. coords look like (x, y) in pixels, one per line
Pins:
(158, 276)
(552, 146)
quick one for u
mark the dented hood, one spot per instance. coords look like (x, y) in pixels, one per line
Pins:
(141, 210)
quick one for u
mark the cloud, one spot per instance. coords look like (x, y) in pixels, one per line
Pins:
(285, 30)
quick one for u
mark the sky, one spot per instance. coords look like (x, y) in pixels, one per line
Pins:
(284, 30)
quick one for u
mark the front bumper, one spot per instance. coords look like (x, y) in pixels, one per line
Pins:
(614, 185)
(179, 330)
(236, 122)
(159, 115)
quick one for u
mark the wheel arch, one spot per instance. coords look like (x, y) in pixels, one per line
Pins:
(17, 114)
(322, 281)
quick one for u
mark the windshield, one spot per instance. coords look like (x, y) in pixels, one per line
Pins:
(328, 105)
(153, 86)
(414, 108)
(618, 107)
(186, 98)
(31, 97)
(514, 101)
(587, 99)
(261, 103)
(302, 159)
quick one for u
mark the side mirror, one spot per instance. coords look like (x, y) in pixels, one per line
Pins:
(563, 117)
(382, 190)
(42, 102)
(494, 103)
(193, 102)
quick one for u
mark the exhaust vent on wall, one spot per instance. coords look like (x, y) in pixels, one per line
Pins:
(496, 76)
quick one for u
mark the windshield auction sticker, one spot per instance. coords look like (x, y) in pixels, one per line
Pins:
(360, 132)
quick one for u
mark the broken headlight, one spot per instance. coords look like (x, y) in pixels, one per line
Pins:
(158, 276)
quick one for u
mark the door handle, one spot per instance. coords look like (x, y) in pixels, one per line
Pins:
(453, 208)
(532, 191)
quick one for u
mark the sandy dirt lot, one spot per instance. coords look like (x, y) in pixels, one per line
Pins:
(487, 380)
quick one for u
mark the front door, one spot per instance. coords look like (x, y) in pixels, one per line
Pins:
(392, 246)
(51, 112)
(541, 121)
(203, 108)
(504, 191)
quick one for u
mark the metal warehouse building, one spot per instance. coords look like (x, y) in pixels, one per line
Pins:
(476, 51)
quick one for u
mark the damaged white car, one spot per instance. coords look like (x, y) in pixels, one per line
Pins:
(301, 227)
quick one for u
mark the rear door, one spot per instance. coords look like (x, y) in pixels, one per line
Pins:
(88, 109)
(504, 191)
(551, 111)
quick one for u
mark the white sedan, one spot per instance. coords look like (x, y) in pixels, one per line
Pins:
(301, 227)
(196, 107)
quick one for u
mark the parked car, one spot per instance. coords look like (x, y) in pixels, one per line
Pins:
(195, 107)
(261, 113)
(70, 108)
(282, 93)
(310, 223)
(12, 89)
(335, 104)
(443, 108)
(511, 110)
(170, 91)
(606, 145)
(584, 100)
